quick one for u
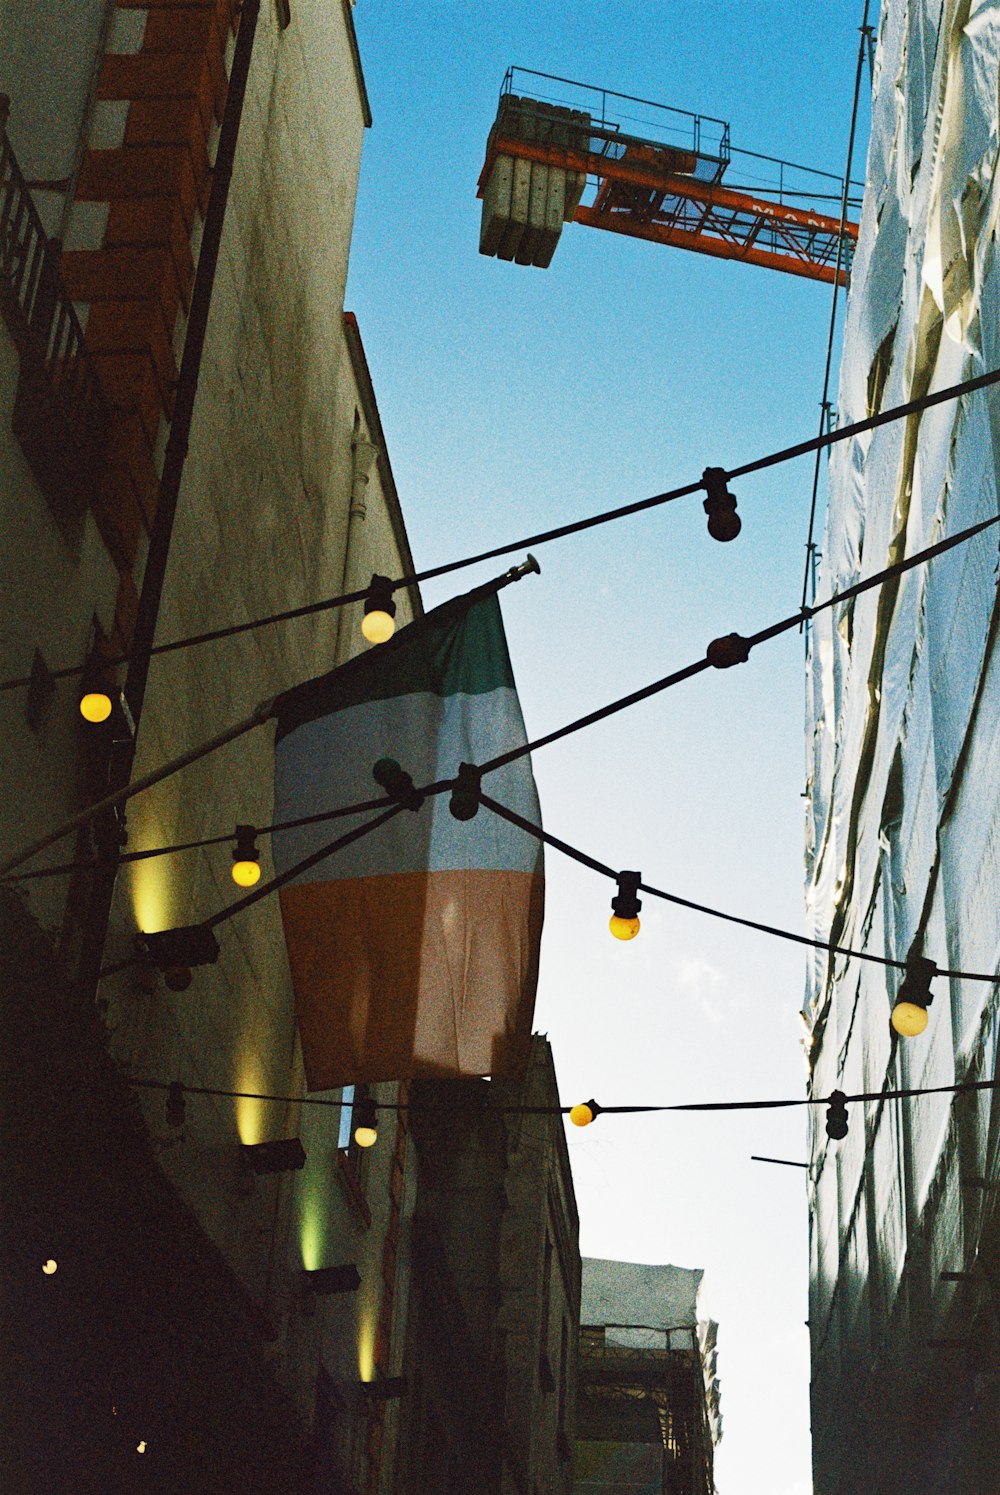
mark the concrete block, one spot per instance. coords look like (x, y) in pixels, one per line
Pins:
(496, 204)
(520, 197)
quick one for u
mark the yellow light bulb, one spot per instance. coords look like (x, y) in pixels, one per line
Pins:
(50, 1266)
(246, 873)
(141, 1446)
(623, 929)
(909, 1019)
(581, 1115)
(95, 706)
(365, 1136)
(378, 626)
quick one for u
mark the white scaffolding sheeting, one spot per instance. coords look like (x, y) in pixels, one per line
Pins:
(903, 821)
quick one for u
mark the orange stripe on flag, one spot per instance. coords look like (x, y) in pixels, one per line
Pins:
(447, 989)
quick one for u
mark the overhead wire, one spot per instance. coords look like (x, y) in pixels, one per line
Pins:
(586, 860)
(909, 563)
(563, 531)
(825, 400)
(487, 1105)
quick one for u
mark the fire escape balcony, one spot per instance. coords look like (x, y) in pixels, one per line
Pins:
(60, 415)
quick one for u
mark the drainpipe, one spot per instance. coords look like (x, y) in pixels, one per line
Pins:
(364, 456)
(123, 752)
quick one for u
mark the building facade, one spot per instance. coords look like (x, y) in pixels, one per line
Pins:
(647, 1415)
(122, 121)
(903, 823)
(495, 1291)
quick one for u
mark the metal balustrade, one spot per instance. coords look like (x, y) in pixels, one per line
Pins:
(60, 415)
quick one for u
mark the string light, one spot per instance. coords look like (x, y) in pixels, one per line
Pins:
(466, 795)
(531, 829)
(909, 1013)
(365, 1122)
(266, 709)
(246, 857)
(584, 1113)
(398, 784)
(723, 521)
(625, 905)
(960, 1087)
(836, 1116)
(785, 454)
(379, 621)
(50, 1267)
(97, 688)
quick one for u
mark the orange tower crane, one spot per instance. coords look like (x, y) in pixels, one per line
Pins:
(563, 152)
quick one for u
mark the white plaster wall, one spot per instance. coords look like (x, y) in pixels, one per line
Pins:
(54, 580)
(261, 526)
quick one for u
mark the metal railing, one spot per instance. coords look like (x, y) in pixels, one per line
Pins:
(61, 415)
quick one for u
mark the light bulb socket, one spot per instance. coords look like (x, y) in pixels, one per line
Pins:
(246, 844)
(626, 903)
(723, 521)
(379, 598)
(397, 783)
(465, 797)
(915, 986)
(836, 1116)
(723, 653)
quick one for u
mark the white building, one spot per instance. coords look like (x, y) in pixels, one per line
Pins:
(648, 1397)
(904, 810)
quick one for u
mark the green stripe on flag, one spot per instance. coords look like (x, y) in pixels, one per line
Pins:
(459, 648)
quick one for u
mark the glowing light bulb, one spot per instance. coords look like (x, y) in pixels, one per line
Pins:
(246, 857)
(140, 1447)
(909, 1019)
(625, 906)
(95, 706)
(50, 1266)
(378, 626)
(581, 1115)
(365, 1122)
(379, 622)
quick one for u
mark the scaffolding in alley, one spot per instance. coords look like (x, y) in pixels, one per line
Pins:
(644, 1410)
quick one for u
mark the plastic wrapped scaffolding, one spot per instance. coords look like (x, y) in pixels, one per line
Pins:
(903, 826)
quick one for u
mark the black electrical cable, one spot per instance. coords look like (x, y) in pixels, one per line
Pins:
(759, 464)
(878, 578)
(586, 860)
(825, 401)
(161, 851)
(960, 1088)
(313, 860)
(920, 557)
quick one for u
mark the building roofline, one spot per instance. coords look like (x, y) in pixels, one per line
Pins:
(352, 38)
(373, 420)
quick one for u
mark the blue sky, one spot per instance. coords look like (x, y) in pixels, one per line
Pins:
(515, 398)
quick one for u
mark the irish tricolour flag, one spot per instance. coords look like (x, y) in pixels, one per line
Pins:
(414, 951)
